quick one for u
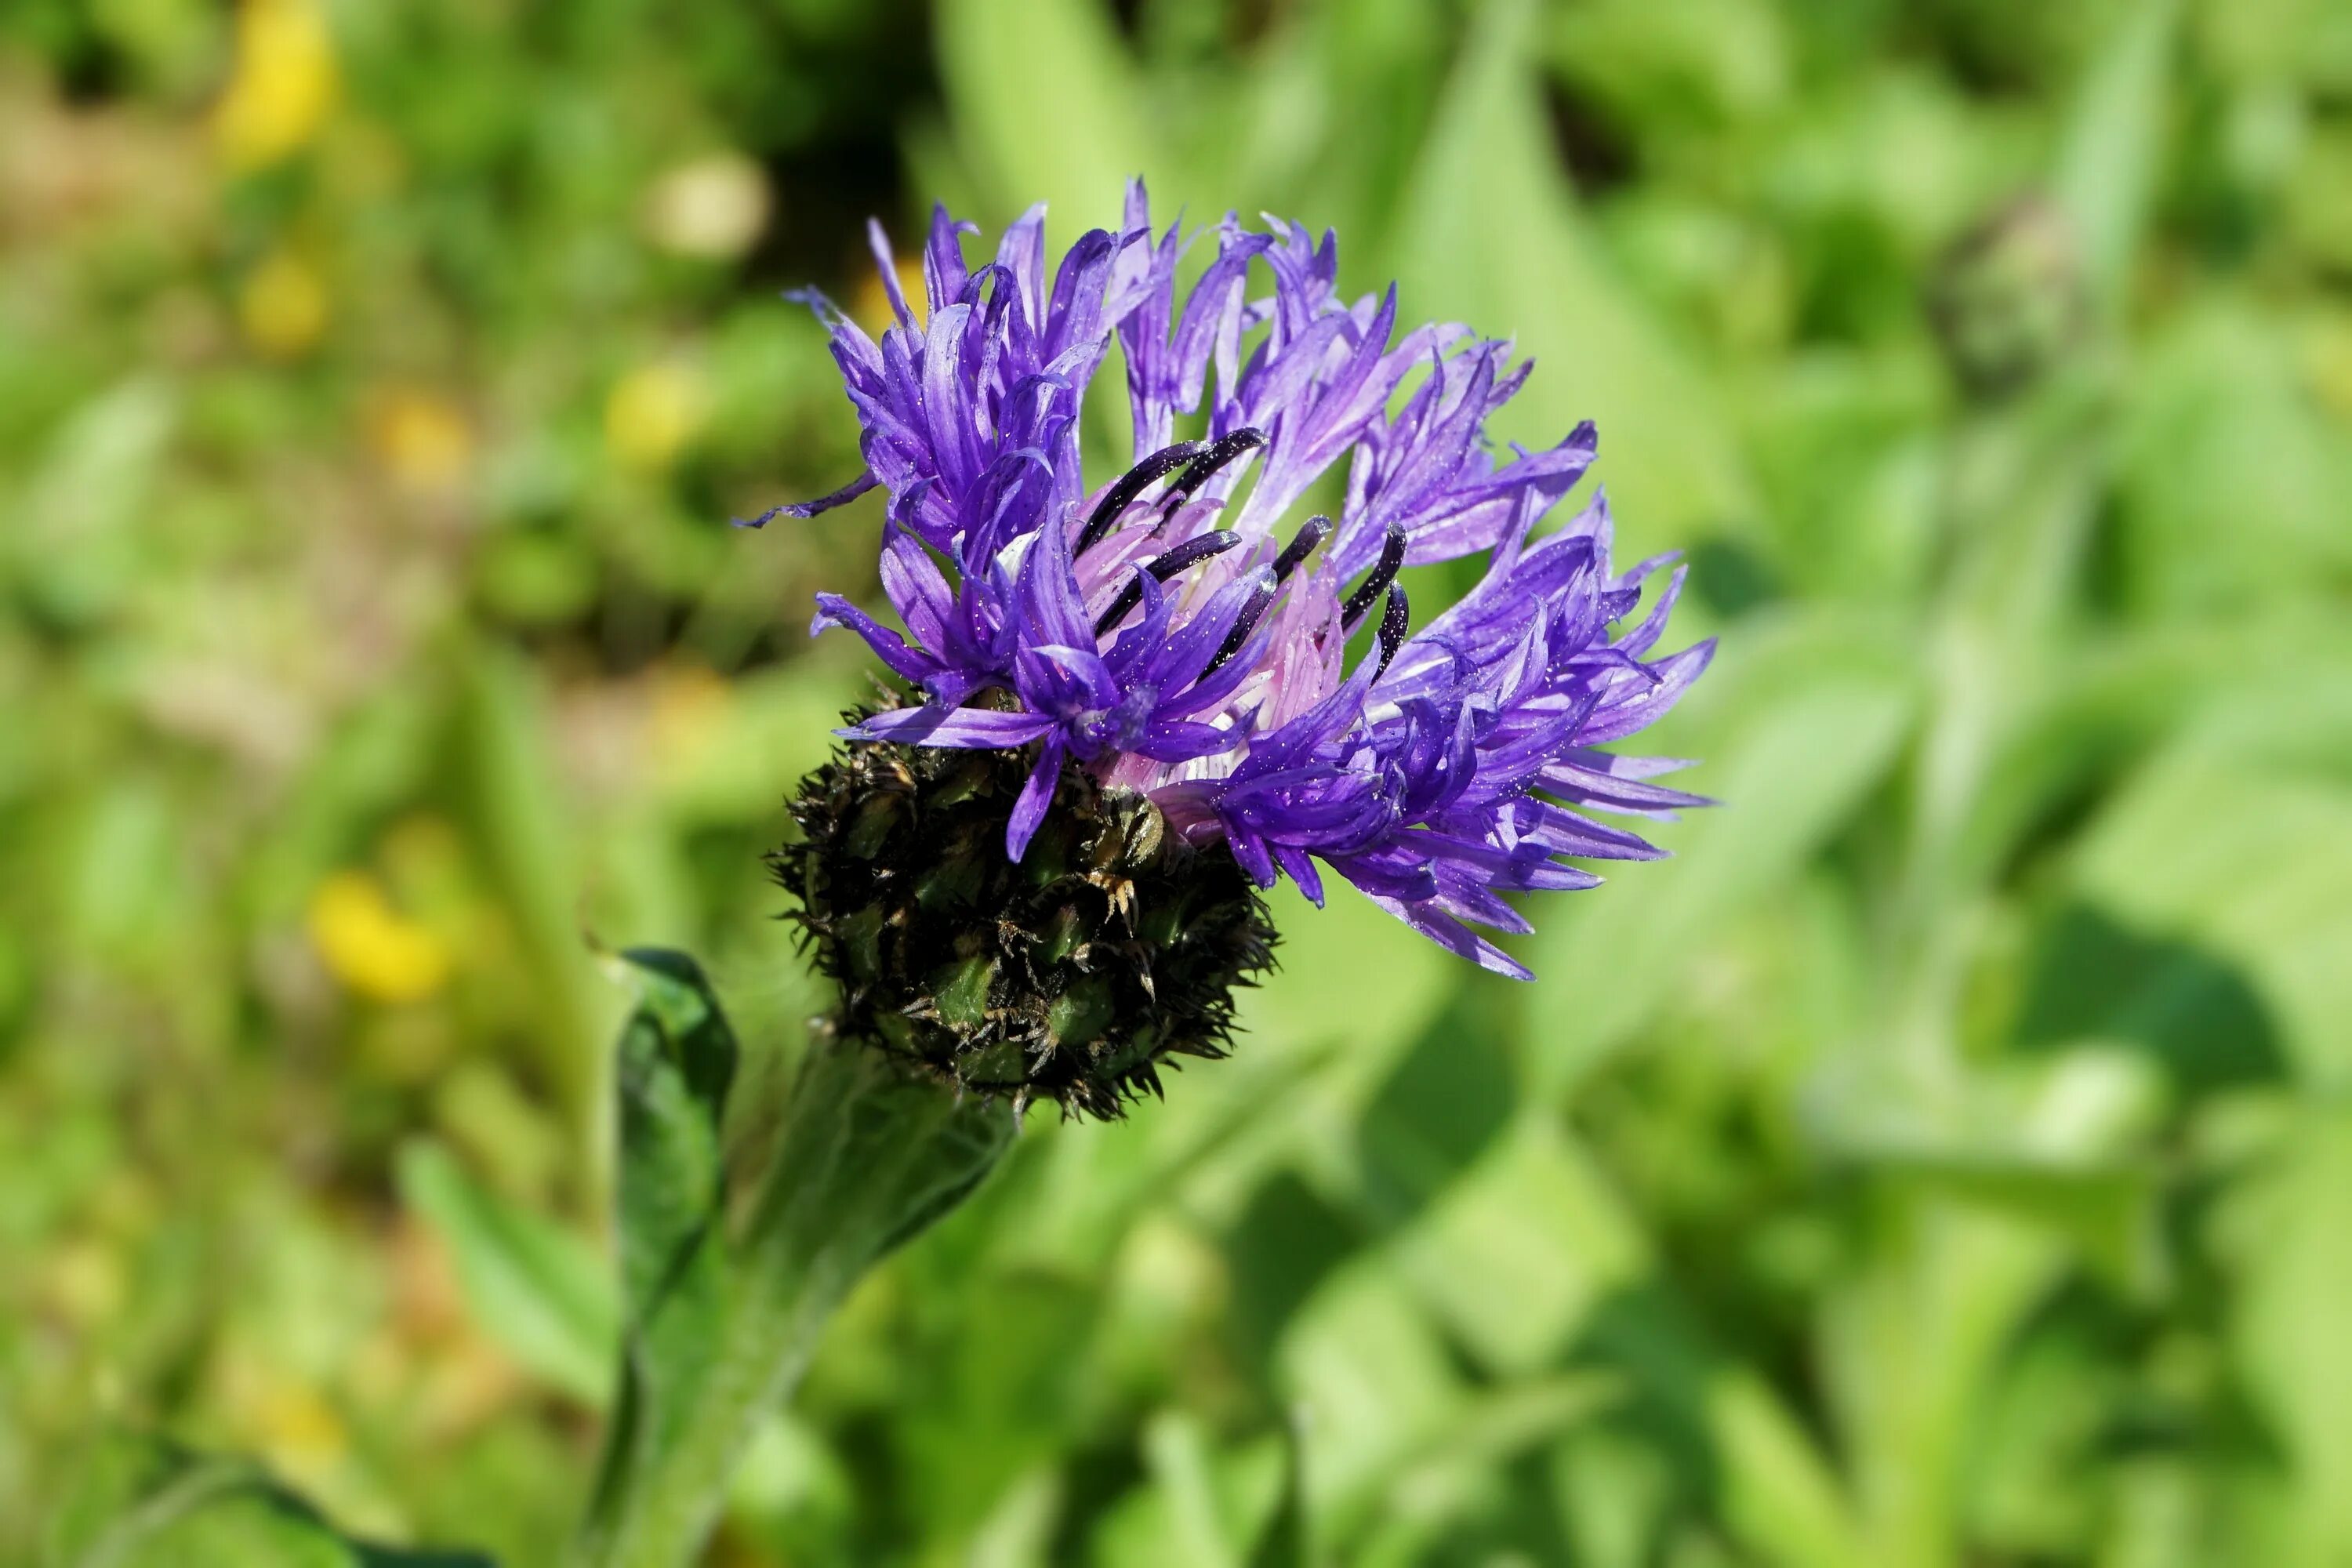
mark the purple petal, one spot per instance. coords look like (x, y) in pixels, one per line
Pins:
(1035, 796)
(967, 729)
(833, 610)
(842, 497)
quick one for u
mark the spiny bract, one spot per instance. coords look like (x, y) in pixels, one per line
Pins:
(1070, 974)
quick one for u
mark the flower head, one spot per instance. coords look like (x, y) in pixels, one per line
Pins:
(1175, 631)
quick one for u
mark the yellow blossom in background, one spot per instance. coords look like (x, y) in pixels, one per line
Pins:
(279, 1414)
(283, 306)
(370, 946)
(651, 414)
(870, 307)
(691, 706)
(713, 206)
(2328, 361)
(419, 437)
(283, 83)
(85, 1283)
(297, 1431)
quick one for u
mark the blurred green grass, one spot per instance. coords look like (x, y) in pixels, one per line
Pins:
(1943, 1161)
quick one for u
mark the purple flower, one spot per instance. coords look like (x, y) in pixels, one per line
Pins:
(1178, 632)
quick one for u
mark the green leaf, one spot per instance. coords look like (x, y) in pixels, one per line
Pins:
(1513, 1255)
(1447, 1101)
(2248, 861)
(1077, 159)
(2109, 161)
(77, 541)
(536, 1287)
(1019, 1531)
(1201, 1505)
(1177, 1452)
(1781, 1498)
(1374, 1381)
(2060, 1141)
(514, 810)
(728, 1283)
(1612, 1493)
(1696, 65)
(1491, 234)
(1283, 1542)
(677, 1060)
(1794, 726)
(2182, 1010)
(1911, 1346)
(141, 1502)
(2282, 1235)
(1347, 971)
(2221, 439)
(1445, 1475)
(2047, 1405)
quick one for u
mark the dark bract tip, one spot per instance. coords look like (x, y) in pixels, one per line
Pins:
(1112, 947)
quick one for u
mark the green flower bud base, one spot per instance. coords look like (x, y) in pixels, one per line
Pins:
(1110, 948)
(969, 985)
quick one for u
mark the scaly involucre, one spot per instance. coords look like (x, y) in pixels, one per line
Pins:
(1176, 632)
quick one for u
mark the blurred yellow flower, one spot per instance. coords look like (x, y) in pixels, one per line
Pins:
(713, 206)
(870, 307)
(419, 437)
(2328, 361)
(283, 306)
(370, 947)
(85, 1284)
(300, 1432)
(691, 706)
(283, 86)
(651, 414)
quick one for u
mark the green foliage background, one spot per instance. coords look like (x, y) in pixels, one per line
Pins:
(1944, 1160)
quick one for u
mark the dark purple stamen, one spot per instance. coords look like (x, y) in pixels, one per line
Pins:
(1131, 484)
(1225, 450)
(1392, 625)
(1310, 535)
(1392, 561)
(1246, 622)
(1163, 567)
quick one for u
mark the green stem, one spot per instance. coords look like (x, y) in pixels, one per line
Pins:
(865, 1159)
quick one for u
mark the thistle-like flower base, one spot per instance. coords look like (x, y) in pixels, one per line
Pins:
(1071, 975)
(969, 985)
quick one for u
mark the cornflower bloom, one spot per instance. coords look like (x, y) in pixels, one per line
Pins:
(1176, 634)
